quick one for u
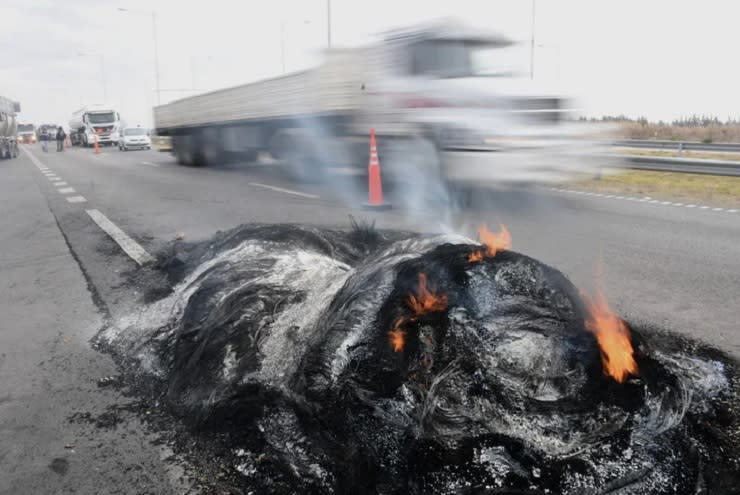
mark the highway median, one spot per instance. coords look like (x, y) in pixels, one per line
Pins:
(695, 188)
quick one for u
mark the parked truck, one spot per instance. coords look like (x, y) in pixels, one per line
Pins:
(443, 98)
(8, 128)
(94, 122)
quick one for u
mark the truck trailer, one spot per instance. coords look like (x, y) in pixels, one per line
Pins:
(443, 99)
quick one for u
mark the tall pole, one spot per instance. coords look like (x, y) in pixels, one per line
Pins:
(531, 45)
(156, 55)
(328, 23)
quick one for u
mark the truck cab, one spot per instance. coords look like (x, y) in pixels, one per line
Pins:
(462, 98)
(95, 123)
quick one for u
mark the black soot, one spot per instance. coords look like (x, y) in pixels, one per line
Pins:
(390, 363)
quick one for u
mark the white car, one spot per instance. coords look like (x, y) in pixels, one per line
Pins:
(133, 138)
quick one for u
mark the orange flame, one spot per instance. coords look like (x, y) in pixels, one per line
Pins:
(475, 256)
(494, 242)
(425, 301)
(397, 336)
(613, 337)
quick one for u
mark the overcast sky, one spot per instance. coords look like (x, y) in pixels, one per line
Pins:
(661, 59)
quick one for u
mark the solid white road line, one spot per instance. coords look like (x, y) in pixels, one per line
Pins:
(286, 191)
(76, 199)
(66, 190)
(129, 246)
(150, 164)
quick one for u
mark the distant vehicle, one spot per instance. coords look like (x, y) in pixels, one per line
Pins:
(132, 138)
(8, 128)
(26, 133)
(47, 132)
(95, 120)
(445, 100)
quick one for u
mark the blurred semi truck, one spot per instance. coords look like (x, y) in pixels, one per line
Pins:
(8, 128)
(95, 120)
(443, 98)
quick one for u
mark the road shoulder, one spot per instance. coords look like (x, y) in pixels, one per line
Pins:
(62, 432)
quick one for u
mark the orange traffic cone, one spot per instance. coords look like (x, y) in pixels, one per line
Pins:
(97, 146)
(375, 184)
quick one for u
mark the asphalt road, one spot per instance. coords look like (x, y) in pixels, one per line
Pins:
(64, 278)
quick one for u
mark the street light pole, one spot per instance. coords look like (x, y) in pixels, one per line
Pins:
(156, 48)
(328, 23)
(531, 45)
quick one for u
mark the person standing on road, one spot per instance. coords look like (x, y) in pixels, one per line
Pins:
(45, 140)
(60, 139)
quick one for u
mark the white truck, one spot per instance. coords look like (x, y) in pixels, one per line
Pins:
(8, 128)
(443, 98)
(95, 120)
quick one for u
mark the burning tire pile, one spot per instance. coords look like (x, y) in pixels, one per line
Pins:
(366, 362)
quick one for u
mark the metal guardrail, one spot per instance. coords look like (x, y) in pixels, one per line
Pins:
(676, 145)
(681, 165)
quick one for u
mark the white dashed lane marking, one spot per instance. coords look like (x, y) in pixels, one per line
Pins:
(60, 183)
(129, 246)
(646, 199)
(286, 191)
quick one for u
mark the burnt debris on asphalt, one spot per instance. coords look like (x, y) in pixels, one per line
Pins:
(365, 361)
